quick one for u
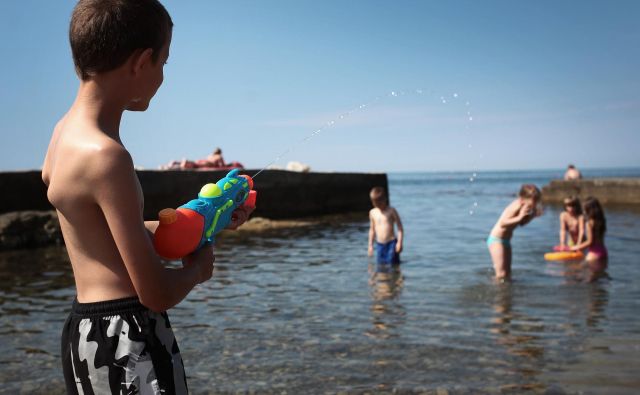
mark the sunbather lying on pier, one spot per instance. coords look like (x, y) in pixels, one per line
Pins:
(212, 161)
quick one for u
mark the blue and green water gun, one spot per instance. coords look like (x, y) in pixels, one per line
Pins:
(187, 228)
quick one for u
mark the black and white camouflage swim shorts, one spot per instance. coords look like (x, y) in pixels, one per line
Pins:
(120, 347)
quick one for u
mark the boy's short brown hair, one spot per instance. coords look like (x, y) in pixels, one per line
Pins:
(378, 195)
(104, 33)
(530, 191)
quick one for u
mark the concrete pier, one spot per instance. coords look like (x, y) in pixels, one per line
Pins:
(281, 194)
(26, 213)
(609, 191)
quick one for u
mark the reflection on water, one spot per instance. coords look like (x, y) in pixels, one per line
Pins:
(35, 288)
(387, 313)
(304, 311)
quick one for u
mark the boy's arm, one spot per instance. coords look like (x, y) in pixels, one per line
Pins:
(151, 227)
(580, 228)
(400, 231)
(563, 232)
(157, 287)
(372, 233)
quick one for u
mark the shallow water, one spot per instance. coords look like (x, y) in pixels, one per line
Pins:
(305, 311)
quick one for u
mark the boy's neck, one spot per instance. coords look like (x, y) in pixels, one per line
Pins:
(97, 101)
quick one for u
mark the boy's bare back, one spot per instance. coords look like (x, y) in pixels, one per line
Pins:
(87, 172)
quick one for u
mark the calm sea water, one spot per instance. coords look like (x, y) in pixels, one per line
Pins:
(305, 311)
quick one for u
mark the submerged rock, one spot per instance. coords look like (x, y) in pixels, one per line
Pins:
(28, 229)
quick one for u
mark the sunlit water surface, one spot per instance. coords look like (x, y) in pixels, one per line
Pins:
(305, 311)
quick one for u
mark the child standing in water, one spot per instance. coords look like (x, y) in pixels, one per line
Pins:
(520, 212)
(382, 236)
(572, 222)
(597, 258)
(117, 338)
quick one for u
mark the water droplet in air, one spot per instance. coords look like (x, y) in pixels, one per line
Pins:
(470, 212)
(419, 91)
(471, 118)
(455, 95)
(393, 93)
(470, 146)
(475, 174)
(331, 123)
(475, 204)
(466, 104)
(471, 179)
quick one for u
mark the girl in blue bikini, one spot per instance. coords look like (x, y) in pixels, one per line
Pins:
(520, 212)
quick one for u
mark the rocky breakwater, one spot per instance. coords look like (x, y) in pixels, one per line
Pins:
(27, 219)
(609, 191)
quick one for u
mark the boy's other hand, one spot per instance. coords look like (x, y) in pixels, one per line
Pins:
(398, 247)
(370, 251)
(201, 261)
(239, 217)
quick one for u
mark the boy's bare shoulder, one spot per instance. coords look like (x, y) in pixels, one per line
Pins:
(84, 155)
(100, 153)
(111, 156)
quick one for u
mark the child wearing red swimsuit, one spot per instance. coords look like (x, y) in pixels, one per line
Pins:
(597, 257)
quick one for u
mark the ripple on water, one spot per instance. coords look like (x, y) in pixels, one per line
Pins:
(305, 311)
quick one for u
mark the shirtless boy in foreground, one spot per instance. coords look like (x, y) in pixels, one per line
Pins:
(118, 338)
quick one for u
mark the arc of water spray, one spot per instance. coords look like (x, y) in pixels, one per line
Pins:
(330, 123)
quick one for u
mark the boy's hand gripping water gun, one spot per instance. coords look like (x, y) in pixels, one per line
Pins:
(187, 228)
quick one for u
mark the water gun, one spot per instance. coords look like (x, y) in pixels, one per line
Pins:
(187, 228)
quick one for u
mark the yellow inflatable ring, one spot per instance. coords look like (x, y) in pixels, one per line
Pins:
(564, 256)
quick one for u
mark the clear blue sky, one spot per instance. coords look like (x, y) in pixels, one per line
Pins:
(548, 83)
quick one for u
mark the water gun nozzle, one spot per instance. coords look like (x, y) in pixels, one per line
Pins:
(249, 180)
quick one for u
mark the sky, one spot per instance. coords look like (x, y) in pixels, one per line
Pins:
(447, 85)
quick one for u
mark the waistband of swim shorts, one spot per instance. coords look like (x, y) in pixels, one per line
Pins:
(108, 307)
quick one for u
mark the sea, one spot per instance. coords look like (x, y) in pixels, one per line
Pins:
(305, 311)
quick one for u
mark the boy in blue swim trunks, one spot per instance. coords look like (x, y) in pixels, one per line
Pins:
(383, 218)
(117, 338)
(520, 212)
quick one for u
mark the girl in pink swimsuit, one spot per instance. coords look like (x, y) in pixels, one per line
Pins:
(597, 257)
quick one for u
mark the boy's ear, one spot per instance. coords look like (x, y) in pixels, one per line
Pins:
(141, 60)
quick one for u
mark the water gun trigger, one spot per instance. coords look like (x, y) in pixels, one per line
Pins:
(250, 202)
